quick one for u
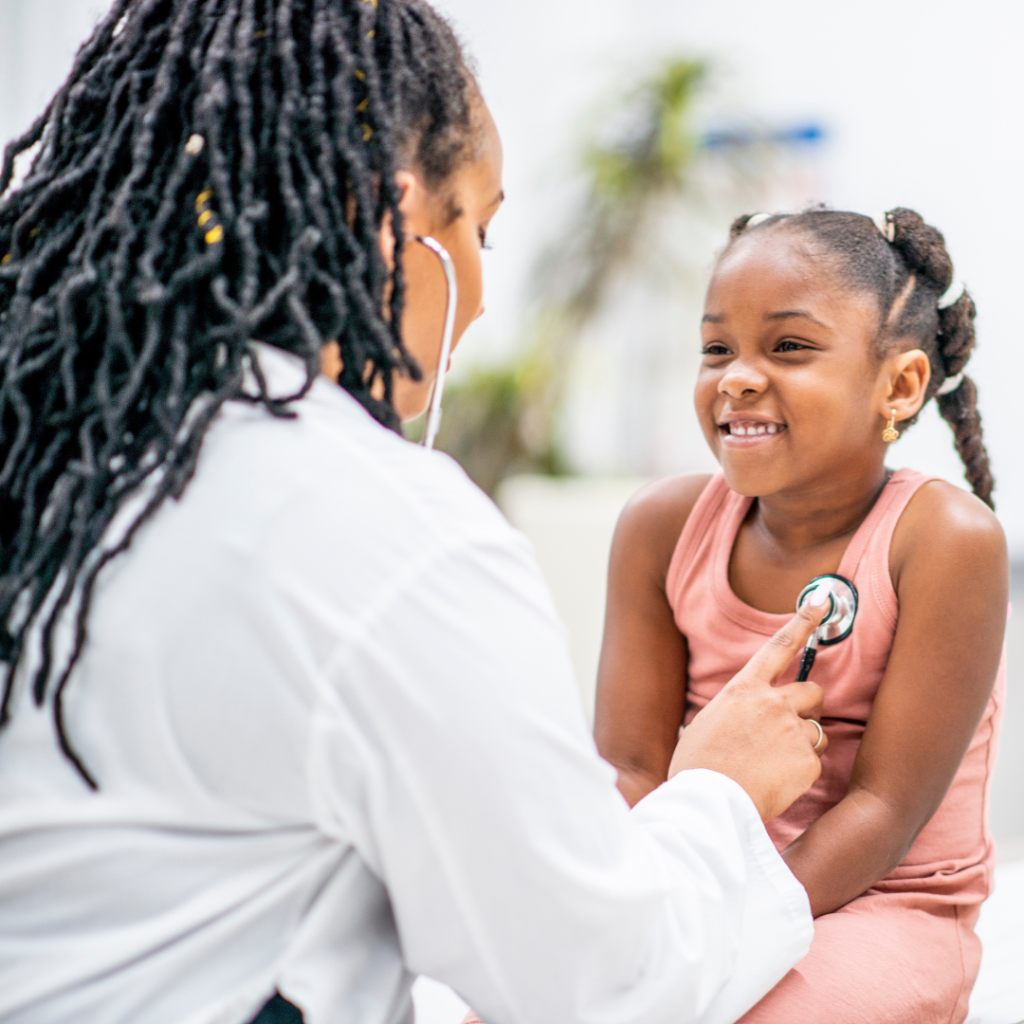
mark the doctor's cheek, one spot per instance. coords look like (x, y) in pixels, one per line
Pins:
(470, 273)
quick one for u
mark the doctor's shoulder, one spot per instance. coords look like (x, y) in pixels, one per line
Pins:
(428, 488)
(650, 526)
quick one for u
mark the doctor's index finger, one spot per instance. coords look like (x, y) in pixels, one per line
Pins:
(778, 651)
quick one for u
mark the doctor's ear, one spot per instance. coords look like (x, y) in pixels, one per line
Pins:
(906, 376)
(417, 206)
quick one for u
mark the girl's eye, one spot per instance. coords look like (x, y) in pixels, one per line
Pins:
(790, 346)
(715, 348)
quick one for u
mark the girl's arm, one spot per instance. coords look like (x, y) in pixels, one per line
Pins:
(949, 566)
(641, 688)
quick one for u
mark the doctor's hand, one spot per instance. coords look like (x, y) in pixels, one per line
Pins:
(758, 733)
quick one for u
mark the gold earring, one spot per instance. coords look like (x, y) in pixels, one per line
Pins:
(890, 433)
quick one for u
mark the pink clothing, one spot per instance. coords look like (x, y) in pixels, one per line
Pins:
(905, 951)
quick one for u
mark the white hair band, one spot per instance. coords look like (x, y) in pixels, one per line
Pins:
(758, 218)
(886, 226)
(950, 384)
(952, 295)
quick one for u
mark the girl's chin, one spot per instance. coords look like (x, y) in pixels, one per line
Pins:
(750, 481)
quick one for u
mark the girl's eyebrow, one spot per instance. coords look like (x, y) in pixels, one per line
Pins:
(786, 314)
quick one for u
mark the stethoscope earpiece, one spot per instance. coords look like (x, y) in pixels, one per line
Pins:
(837, 624)
(434, 414)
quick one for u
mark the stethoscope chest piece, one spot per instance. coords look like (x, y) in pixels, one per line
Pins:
(838, 623)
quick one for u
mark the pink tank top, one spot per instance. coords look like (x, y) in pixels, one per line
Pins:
(952, 858)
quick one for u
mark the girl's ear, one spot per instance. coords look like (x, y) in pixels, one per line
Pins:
(906, 377)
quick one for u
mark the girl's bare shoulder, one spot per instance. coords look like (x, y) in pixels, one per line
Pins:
(650, 524)
(945, 531)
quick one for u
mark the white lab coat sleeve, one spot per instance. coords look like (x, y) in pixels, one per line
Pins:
(451, 749)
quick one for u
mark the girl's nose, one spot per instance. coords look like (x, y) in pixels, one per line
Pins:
(741, 379)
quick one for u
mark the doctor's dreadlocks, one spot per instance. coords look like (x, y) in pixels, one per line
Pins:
(908, 270)
(212, 172)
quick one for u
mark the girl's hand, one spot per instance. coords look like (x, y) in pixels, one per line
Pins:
(755, 732)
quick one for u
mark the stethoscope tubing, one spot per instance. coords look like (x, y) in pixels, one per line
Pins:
(437, 394)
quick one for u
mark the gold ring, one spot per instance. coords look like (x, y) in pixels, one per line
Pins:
(821, 734)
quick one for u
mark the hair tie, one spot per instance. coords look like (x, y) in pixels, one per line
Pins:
(952, 295)
(757, 218)
(949, 385)
(887, 227)
(212, 229)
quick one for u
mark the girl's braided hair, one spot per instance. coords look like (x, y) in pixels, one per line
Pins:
(908, 270)
(125, 325)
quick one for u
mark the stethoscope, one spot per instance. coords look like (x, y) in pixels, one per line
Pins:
(434, 413)
(837, 624)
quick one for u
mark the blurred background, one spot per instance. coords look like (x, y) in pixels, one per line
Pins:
(634, 133)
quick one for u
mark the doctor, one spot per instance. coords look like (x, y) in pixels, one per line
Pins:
(290, 710)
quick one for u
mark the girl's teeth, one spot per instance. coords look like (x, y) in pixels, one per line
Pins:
(753, 429)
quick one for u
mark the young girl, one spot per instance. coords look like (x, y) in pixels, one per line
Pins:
(823, 337)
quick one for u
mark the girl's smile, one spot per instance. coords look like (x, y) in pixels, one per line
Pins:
(743, 430)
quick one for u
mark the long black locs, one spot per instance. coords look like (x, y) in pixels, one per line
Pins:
(125, 324)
